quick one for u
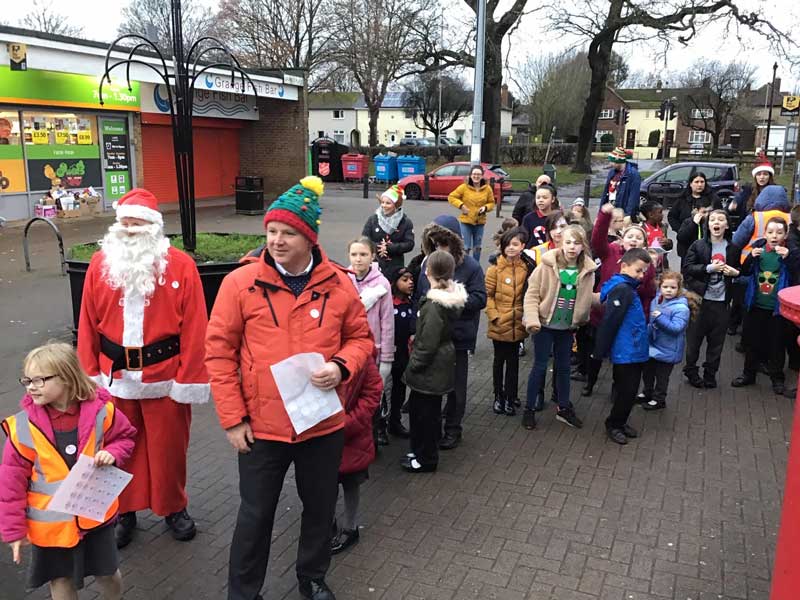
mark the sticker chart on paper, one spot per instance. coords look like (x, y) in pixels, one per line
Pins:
(305, 404)
(88, 491)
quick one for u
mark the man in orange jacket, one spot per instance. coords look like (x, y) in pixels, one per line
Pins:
(290, 300)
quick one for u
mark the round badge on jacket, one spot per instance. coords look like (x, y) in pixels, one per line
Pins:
(314, 313)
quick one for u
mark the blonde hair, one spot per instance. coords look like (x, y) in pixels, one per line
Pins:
(638, 228)
(578, 233)
(440, 267)
(692, 299)
(58, 358)
(364, 241)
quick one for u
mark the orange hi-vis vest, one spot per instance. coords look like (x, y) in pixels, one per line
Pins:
(47, 528)
(760, 220)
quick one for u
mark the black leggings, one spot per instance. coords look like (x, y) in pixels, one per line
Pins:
(506, 356)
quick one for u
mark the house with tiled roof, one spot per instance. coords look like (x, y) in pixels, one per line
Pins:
(343, 116)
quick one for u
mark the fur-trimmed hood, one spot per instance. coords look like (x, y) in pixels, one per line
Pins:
(443, 230)
(454, 296)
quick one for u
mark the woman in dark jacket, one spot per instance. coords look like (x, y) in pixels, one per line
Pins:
(696, 188)
(391, 230)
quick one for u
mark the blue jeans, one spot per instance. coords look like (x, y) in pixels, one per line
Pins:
(559, 341)
(473, 237)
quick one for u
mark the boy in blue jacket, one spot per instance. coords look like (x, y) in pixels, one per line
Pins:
(622, 335)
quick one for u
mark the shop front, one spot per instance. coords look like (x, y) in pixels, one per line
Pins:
(54, 135)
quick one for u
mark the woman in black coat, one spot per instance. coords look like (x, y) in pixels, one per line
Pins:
(391, 230)
(684, 207)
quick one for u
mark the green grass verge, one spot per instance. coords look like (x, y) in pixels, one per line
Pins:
(211, 247)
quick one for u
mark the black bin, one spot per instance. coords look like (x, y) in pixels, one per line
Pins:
(249, 195)
(326, 159)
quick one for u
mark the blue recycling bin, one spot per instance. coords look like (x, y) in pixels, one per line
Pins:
(385, 168)
(410, 165)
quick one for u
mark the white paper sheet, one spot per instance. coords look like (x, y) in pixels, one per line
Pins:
(305, 404)
(88, 491)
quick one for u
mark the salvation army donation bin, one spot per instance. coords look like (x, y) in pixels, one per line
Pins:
(385, 168)
(326, 159)
(354, 166)
(410, 165)
(249, 195)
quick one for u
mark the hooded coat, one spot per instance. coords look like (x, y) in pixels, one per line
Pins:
(362, 394)
(667, 331)
(505, 290)
(431, 366)
(445, 229)
(622, 334)
(771, 198)
(376, 295)
(15, 471)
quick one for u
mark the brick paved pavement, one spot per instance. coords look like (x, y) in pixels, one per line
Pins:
(689, 510)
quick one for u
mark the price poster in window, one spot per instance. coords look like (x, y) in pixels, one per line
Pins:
(85, 137)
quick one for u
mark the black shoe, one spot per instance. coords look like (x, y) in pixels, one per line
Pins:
(510, 404)
(499, 406)
(587, 390)
(568, 416)
(709, 382)
(517, 402)
(414, 466)
(733, 330)
(315, 589)
(629, 431)
(743, 380)
(778, 388)
(126, 524)
(381, 437)
(617, 435)
(450, 441)
(345, 539)
(398, 430)
(529, 419)
(739, 347)
(643, 397)
(790, 392)
(407, 458)
(578, 376)
(182, 525)
(694, 379)
(654, 405)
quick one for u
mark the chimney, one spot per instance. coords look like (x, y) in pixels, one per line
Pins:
(504, 96)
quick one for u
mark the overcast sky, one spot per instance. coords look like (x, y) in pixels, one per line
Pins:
(100, 19)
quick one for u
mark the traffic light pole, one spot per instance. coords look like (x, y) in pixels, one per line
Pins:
(665, 106)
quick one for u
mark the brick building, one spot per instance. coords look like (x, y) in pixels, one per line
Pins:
(54, 131)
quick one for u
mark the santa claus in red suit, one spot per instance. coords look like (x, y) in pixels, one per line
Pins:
(141, 335)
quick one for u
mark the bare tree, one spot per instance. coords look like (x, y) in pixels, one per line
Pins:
(43, 17)
(152, 19)
(608, 22)
(277, 33)
(713, 96)
(496, 30)
(438, 101)
(553, 87)
(377, 41)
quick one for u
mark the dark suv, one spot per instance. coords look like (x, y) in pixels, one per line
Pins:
(670, 182)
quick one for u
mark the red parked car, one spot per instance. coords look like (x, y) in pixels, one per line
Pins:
(444, 179)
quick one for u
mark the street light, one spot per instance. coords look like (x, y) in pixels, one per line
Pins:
(769, 114)
(185, 72)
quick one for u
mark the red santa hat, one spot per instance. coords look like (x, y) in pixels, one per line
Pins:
(763, 165)
(139, 204)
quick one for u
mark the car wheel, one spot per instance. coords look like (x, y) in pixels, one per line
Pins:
(413, 192)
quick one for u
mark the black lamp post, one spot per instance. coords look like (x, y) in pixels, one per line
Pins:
(185, 71)
(769, 114)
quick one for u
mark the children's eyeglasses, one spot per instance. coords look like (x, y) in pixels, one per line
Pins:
(36, 382)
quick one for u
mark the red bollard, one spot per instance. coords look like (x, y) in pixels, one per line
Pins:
(786, 571)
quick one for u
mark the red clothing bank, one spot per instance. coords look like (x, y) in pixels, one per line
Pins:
(54, 131)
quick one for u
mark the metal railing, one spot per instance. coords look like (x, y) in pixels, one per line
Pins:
(26, 249)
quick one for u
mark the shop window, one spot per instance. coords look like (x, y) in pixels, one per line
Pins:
(60, 129)
(9, 128)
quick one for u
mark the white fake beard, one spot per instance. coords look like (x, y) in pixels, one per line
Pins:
(134, 263)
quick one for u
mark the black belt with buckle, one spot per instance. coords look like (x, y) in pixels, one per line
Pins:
(136, 358)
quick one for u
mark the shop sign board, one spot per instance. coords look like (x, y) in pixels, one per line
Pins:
(791, 106)
(51, 88)
(205, 103)
(74, 166)
(116, 158)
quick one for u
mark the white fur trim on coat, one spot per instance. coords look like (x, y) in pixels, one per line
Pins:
(453, 297)
(190, 393)
(137, 211)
